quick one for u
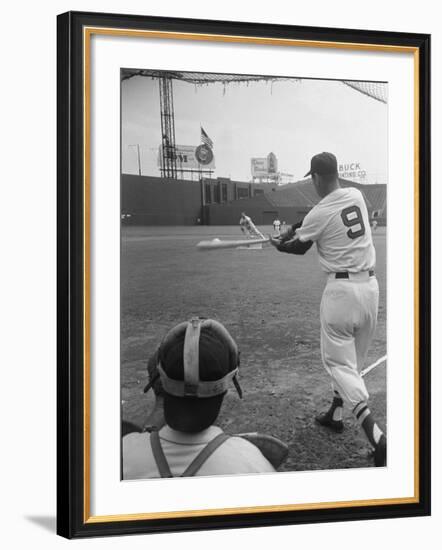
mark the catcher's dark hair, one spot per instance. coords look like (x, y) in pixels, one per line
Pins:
(191, 414)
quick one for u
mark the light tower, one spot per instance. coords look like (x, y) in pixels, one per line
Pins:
(168, 150)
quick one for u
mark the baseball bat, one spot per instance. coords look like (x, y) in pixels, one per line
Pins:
(373, 365)
(217, 244)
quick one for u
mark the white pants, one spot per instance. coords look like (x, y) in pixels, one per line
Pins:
(349, 309)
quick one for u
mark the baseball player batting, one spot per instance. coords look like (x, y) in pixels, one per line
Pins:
(340, 227)
(249, 228)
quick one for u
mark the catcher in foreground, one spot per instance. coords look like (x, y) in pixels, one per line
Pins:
(196, 363)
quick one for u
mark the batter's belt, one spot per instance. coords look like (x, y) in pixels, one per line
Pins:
(359, 276)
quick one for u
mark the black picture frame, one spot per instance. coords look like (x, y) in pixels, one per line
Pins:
(72, 392)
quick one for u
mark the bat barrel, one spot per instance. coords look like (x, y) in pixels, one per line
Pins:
(217, 244)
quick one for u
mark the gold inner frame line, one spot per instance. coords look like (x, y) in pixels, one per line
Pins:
(87, 33)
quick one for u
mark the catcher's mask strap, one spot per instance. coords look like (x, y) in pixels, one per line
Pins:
(237, 386)
(191, 352)
(192, 386)
(205, 389)
(151, 382)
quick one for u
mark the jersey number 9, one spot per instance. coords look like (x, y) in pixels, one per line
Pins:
(352, 218)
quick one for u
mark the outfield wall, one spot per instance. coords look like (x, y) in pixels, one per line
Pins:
(147, 200)
(160, 201)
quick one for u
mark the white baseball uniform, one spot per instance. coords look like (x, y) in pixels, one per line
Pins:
(340, 226)
(277, 227)
(249, 228)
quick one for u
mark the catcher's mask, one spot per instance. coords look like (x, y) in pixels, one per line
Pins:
(197, 358)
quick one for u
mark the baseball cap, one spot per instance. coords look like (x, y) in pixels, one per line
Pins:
(198, 358)
(323, 164)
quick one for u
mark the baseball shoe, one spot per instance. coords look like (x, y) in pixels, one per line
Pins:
(326, 420)
(380, 452)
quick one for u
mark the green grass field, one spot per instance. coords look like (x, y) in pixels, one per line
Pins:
(270, 304)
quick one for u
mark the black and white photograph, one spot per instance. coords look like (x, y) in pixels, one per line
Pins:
(243, 270)
(253, 274)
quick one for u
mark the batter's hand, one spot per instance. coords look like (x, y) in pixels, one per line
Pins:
(275, 241)
(290, 233)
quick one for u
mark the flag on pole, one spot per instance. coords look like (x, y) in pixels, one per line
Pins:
(205, 138)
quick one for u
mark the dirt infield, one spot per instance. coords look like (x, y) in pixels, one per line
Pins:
(270, 303)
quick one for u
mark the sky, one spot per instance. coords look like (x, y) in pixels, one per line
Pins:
(293, 119)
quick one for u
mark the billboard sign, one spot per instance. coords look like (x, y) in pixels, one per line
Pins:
(259, 167)
(352, 170)
(191, 157)
(264, 167)
(204, 154)
(272, 163)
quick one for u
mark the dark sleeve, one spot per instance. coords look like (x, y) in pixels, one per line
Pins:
(296, 247)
